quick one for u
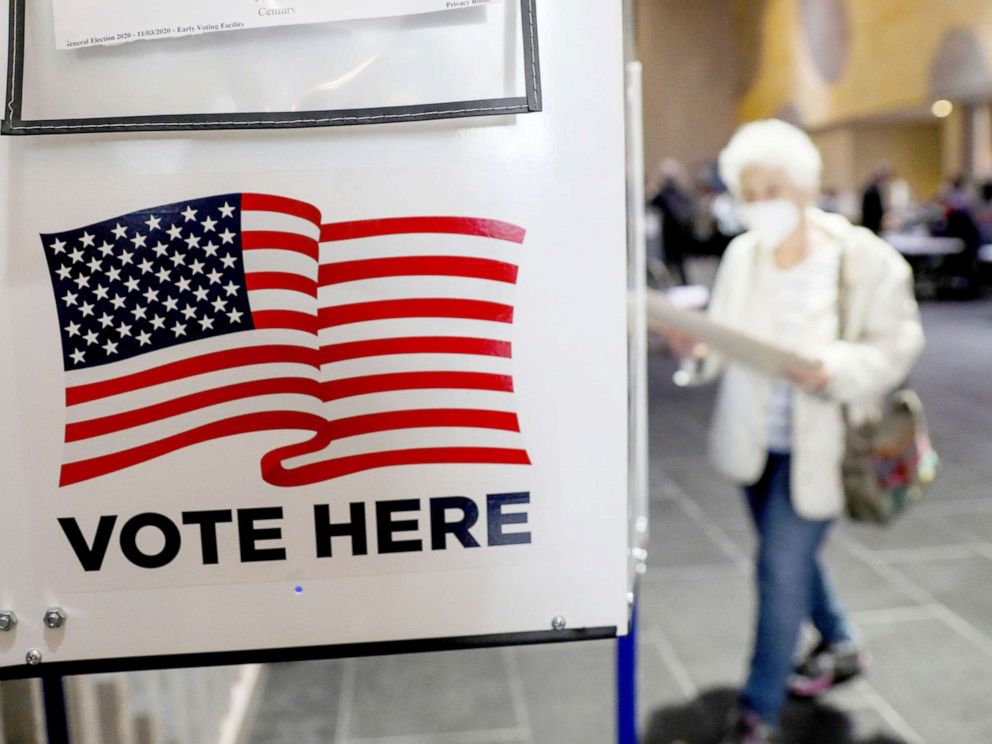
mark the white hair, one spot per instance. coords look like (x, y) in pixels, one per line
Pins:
(771, 143)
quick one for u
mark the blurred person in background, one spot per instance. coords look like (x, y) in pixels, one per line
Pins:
(960, 205)
(874, 198)
(783, 439)
(677, 207)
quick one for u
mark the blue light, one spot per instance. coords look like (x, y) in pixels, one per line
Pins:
(298, 589)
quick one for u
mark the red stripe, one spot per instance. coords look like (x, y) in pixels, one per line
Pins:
(414, 345)
(281, 280)
(289, 320)
(338, 315)
(268, 203)
(277, 475)
(283, 241)
(75, 432)
(200, 365)
(375, 268)
(74, 472)
(421, 419)
(352, 386)
(400, 225)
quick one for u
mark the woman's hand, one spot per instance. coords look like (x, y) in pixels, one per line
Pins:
(811, 380)
(682, 344)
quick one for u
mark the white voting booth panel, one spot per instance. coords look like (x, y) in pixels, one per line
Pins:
(456, 290)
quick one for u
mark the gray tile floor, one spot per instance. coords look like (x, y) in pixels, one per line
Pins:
(921, 592)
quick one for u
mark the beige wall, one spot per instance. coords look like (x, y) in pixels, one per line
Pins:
(690, 90)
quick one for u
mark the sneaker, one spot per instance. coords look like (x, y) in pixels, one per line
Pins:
(746, 727)
(826, 666)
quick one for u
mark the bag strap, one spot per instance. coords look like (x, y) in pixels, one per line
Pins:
(842, 313)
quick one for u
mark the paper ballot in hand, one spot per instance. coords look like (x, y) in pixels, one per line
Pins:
(756, 353)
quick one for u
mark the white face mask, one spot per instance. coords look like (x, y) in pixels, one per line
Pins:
(772, 220)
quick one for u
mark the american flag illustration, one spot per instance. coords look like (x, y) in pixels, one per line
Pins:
(387, 342)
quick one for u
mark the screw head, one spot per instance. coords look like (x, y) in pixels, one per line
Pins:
(558, 623)
(8, 620)
(33, 657)
(55, 617)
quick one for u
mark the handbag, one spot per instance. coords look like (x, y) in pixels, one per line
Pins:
(888, 462)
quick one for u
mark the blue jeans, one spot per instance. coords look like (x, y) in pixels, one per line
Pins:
(792, 586)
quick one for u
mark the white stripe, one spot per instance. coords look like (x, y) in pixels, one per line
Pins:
(406, 327)
(417, 363)
(252, 220)
(282, 299)
(289, 262)
(129, 438)
(408, 400)
(420, 245)
(136, 399)
(242, 339)
(417, 287)
(414, 439)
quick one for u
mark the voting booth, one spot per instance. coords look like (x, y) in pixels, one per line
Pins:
(315, 331)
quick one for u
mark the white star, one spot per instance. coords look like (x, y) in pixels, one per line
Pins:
(139, 312)
(139, 240)
(179, 329)
(91, 338)
(189, 215)
(209, 225)
(95, 264)
(214, 277)
(123, 330)
(58, 246)
(86, 309)
(157, 322)
(120, 231)
(76, 255)
(126, 257)
(160, 249)
(231, 288)
(151, 295)
(101, 292)
(106, 320)
(145, 266)
(193, 241)
(206, 324)
(227, 237)
(201, 294)
(144, 338)
(227, 210)
(70, 298)
(106, 249)
(87, 240)
(110, 347)
(235, 316)
(163, 275)
(132, 284)
(210, 248)
(154, 223)
(175, 232)
(228, 261)
(63, 272)
(78, 356)
(197, 266)
(72, 329)
(183, 284)
(190, 312)
(114, 275)
(171, 304)
(178, 259)
(82, 281)
(117, 302)
(219, 305)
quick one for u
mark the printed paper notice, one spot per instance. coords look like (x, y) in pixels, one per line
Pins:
(82, 23)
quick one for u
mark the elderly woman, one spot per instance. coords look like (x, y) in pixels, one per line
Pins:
(816, 285)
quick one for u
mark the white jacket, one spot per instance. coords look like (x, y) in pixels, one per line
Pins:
(882, 339)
